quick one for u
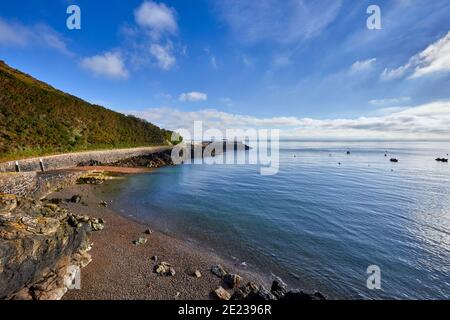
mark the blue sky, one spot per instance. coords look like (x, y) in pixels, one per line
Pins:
(299, 65)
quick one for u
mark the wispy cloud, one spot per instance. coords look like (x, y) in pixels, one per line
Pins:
(163, 55)
(193, 96)
(281, 22)
(434, 59)
(38, 35)
(109, 64)
(362, 66)
(430, 120)
(212, 58)
(389, 101)
(13, 34)
(227, 102)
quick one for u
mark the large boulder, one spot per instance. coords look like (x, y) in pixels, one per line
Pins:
(232, 280)
(39, 247)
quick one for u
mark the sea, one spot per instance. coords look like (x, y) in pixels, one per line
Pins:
(339, 217)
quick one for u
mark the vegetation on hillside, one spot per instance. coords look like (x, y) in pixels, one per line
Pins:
(37, 119)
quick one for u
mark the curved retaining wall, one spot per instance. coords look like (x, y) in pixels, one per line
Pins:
(36, 184)
(70, 160)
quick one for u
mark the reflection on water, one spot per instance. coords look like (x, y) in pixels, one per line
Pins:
(317, 224)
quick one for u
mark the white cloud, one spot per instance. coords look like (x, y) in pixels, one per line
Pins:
(389, 101)
(193, 96)
(428, 121)
(163, 55)
(362, 66)
(149, 40)
(434, 59)
(39, 35)
(157, 18)
(268, 20)
(109, 64)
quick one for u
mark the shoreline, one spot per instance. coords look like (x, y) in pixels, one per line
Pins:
(121, 270)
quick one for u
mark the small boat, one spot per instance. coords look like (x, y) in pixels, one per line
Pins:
(394, 160)
(442, 160)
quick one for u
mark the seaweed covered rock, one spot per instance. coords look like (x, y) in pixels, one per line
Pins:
(93, 178)
(152, 160)
(40, 249)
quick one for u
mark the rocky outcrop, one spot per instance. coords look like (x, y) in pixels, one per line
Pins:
(41, 248)
(148, 160)
(164, 269)
(255, 292)
(212, 149)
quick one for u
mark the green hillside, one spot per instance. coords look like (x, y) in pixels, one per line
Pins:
(37, 119)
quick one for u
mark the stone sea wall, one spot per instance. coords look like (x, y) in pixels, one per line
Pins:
(36, 184)
(64, 161)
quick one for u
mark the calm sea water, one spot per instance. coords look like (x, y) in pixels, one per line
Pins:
(315, 224)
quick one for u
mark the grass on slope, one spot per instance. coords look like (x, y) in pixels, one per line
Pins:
(37, 119)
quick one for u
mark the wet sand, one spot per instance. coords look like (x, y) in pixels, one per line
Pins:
(121, 270)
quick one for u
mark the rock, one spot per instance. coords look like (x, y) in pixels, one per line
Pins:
(164, 269)
(221, 294)
(93, 178)
(278, 289)
(39, 241)
(232, 280)
(148, 231)
(8, 203)
(261, 295)
(297, 295)
(197, 274)
(56, 201)
(238, 294)
(75, 199)
(218, 271)
(90, 163)
(154, 258)
(140, 241)
(97, 224)
(318, 296)
(250, 287)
